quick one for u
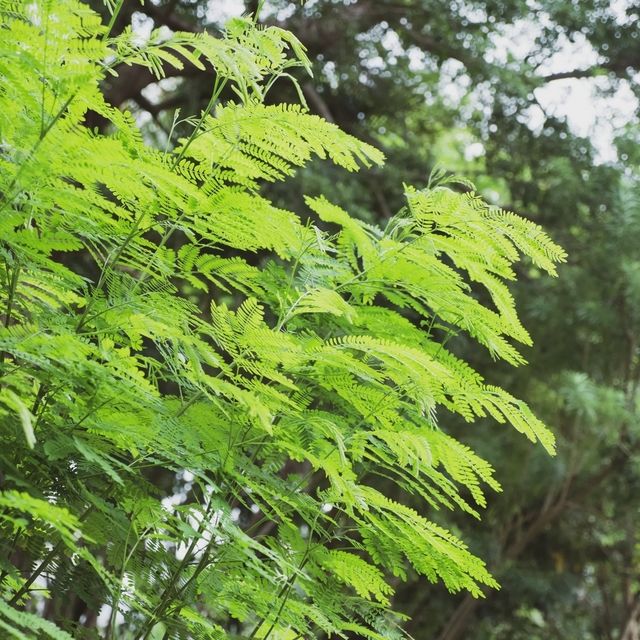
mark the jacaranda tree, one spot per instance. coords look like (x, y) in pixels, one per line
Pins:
(271, 415)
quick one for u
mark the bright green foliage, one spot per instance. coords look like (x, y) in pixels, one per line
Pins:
(335, 359)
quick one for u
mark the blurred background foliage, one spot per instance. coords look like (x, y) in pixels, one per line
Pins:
(464, 83)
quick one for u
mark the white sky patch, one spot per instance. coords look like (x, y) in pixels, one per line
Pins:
(329, 70)
(375, 62)
(454, 84)
(515, 40)
(473, 151)
(279, 13)
(141, 25)
(220, 11)
(416, 58)
(590, 113)
(104, 616)
(153, 92)
(618, 9)
(581, 101)
(391, 42)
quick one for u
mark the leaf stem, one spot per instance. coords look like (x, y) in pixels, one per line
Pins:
(45, 563)
(114, 17)
(15, 275)
(217, 90)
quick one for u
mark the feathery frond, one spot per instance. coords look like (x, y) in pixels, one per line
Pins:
(188, 466)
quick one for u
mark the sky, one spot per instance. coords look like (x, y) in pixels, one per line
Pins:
(588, 111)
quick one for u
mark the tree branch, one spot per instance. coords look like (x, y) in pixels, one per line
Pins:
(459, 621)
(630, 631)
(317, 102)
(156, 108)
(576, 73)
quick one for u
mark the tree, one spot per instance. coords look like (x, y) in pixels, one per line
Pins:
(270, 417)
(562, 538)
(426, 80)
(565, 520)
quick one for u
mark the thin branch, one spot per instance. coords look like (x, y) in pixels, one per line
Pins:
(156, 108)
(630, 631)
(383, 205)
(317, 102)
(576, 73)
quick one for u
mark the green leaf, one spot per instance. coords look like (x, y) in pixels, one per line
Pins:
(9, 398)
